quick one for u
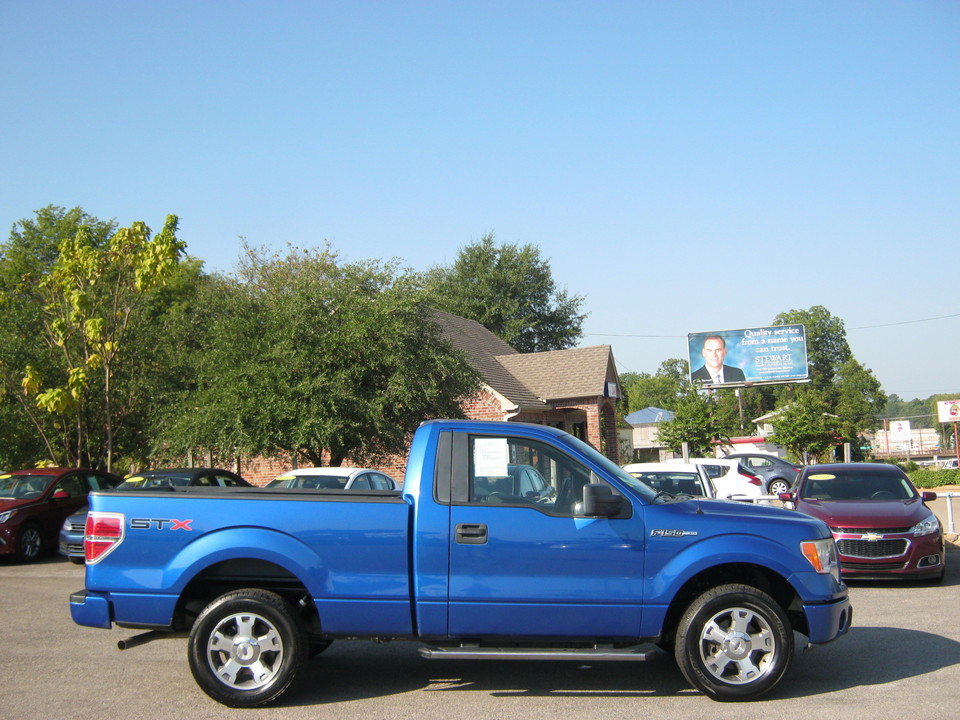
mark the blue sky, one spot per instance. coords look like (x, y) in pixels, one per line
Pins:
(685, 166)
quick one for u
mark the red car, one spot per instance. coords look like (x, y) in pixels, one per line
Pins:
(34, 504)
(882, 525)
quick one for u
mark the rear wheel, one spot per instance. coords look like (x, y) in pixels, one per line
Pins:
(247, 647)
(777, 486)
(733, 643)
(29, 543)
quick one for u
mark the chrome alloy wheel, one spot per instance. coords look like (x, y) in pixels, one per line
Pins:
(737, 646)
(245, 651)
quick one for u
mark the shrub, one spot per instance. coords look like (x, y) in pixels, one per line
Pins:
(927, 478)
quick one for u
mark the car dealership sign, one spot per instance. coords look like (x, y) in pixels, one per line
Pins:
(749, 355)
(948, 411)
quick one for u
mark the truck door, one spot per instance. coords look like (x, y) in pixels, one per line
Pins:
(524, 561)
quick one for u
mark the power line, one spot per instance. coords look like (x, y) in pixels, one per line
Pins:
(861, 327)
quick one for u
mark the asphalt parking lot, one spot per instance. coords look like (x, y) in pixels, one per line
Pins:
(902, 658)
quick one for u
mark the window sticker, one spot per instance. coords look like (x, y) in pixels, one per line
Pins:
(489, 457)
(822, 476)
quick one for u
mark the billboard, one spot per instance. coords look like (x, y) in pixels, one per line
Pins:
(948, 411)
(750, 355)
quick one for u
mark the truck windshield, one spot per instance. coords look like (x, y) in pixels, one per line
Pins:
(642, 489)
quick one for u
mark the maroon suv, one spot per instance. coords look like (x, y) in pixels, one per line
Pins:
(882, 525)
(34, 504)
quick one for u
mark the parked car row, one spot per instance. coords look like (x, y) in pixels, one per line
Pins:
(881, 523)
(34, 504)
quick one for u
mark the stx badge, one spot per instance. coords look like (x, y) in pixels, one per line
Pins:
(159, 524)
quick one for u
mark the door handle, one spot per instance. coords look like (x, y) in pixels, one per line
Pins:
(471, 534)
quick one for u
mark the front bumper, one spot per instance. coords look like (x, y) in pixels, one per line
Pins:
(829, 621)
(890, 555)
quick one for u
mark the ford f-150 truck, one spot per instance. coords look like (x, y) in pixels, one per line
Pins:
(508, 540)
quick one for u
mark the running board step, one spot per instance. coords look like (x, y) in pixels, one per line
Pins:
(635, 653)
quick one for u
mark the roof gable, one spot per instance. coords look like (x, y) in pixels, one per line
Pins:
(530, 380)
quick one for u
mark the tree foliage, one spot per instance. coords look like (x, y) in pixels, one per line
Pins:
(91, 293)
(509, 289)
(695, 423)
(313, 357)
(806, 427)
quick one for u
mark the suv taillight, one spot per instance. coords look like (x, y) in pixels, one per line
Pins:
(103, 532)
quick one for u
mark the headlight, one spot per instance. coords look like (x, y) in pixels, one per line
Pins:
(4, 516)
(924, 527)
(822, 554)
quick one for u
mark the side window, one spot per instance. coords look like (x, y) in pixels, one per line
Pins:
(361, 483)
(73, 485)
(714, 471)
(226, 481)
(380, 482)
(98, 482)
(526, 473)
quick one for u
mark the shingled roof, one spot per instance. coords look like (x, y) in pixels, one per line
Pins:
(529, 380)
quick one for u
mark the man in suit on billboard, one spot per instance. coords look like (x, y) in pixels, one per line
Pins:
(714, 372)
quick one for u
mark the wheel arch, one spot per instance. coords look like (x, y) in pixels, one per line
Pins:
(758, 576)
(244, 572)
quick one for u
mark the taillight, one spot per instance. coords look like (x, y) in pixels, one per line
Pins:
(753, 479)
(103, 532)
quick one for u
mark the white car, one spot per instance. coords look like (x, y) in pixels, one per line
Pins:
(335, 478)
(674, 478)
(731, 479)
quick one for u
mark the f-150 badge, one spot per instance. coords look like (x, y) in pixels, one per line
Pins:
(672, 533)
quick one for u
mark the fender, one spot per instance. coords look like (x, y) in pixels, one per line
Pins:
(238, 543)
(702, 554)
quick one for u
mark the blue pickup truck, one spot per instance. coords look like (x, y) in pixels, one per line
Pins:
(508, 540)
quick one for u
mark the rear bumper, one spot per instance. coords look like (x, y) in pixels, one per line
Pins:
(91, 609)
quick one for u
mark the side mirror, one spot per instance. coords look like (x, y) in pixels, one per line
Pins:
(61, 495)
(785, 497)
(928, 495)
(600, 501)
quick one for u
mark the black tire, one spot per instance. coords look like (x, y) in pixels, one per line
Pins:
(247, 648)
(29, 543)
(734, 642)
(77, 560)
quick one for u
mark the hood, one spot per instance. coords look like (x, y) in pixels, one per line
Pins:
(11, 503)
(867, 513)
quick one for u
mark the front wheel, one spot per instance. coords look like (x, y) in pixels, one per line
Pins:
(29, 543)
(733, 643)
(247, 647)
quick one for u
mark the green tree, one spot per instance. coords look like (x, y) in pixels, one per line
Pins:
(806, 427)
(91, 294)
(662, 389)
(859, 402)
(31, 434)
(695, 422)
(304, 355)
(510, 290)
(827, 347)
